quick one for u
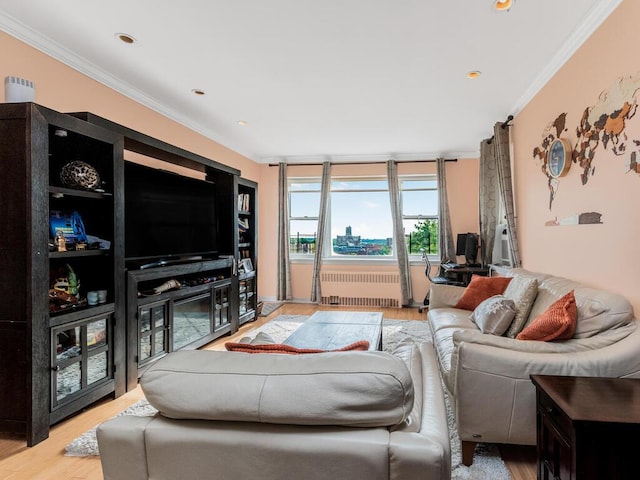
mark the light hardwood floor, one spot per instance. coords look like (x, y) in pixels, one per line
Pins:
(46, 461)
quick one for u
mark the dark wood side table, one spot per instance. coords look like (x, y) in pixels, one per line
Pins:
(588, 428)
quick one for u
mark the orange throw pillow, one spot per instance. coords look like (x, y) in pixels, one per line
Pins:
(288, 349)
(479, 289)
(558, 322)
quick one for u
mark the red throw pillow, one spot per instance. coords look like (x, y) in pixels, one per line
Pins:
(479, 289)
(288, 349)
(558, 322)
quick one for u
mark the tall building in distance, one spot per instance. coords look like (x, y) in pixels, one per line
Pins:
(349, 244)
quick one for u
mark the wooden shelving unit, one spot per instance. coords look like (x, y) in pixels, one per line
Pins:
(247, 250)
(56, 358)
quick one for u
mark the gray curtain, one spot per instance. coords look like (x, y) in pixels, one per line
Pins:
(398, 233)
(501, 141)
(284, 271)
(445, 236)
(316, 292)
(489, 201)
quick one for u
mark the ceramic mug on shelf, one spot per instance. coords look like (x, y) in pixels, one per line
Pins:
(102, 296)
(92, 298)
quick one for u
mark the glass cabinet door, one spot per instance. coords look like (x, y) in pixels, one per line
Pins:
(247, 295)
(221, 313)
(153, 331)
(97, 351)
(81, 353)
(191, 320)
(68, 362)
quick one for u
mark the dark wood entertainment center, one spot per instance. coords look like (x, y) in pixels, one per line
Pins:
(59, 356)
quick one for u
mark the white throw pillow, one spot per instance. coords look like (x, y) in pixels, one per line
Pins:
(523, 290)
(494, 315)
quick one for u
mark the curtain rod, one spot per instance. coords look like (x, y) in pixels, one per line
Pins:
(363, 163)
(505, 124)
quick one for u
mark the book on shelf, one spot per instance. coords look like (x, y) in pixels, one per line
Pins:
(243, 224)
(243, 202)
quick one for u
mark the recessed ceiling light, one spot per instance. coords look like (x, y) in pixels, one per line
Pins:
(197, 91)
(474, 74)
(503, 5)
(242, 123)
(126, 38)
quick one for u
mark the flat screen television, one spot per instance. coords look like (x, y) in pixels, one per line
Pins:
(168, 217)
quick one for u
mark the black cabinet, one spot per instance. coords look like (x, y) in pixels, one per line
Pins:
(61, 218)
(178, 307)
(82, 362)
(247, 249)
(70, 331)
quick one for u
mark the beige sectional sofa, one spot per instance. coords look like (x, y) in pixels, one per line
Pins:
(231, 415)
(487, 375)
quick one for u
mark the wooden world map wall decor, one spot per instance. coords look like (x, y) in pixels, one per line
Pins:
(603, 126)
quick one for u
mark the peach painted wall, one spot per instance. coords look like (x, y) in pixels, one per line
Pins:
(462, 182)
(64, 89)
(602, 255)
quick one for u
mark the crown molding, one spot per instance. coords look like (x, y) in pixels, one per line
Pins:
(598, 14)
(53, 49)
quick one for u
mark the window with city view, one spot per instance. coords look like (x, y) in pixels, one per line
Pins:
(360, 216)
(304, 207)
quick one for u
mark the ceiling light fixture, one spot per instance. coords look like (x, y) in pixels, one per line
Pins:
(242, 123)
(126, 38)
(503, 5)
(474, 74)
(197, 91)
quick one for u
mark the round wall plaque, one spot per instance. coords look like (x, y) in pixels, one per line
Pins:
(559, 159)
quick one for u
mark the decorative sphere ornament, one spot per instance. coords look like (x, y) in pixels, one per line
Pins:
(78, 174)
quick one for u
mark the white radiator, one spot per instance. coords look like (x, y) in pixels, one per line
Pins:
(360, 289)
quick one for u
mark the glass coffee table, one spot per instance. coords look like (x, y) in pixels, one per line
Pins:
(331, 330)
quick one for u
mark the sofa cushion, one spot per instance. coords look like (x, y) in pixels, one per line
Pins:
(605, 339)
(409, 352)
(598, 310)
(361, 345)
(361, 389)
(494, 315)
(557, 323)
(444, 296)
(479, 289)
(444, 323)
(523, 290)
(449, 317)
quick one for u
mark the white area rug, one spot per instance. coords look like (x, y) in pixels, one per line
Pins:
(487, 464)
(270, 307)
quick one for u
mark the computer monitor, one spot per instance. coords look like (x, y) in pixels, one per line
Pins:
(467, 245)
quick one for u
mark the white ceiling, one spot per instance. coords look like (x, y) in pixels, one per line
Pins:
(349, 79)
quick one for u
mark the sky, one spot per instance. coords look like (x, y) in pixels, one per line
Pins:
(368, 213)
